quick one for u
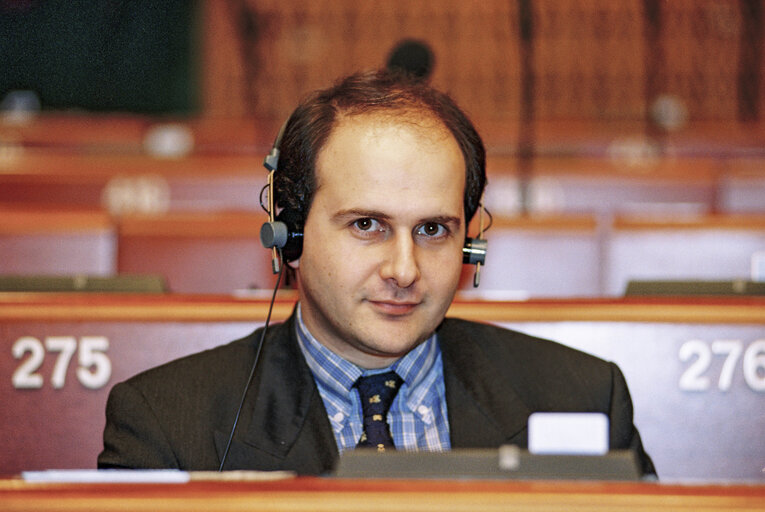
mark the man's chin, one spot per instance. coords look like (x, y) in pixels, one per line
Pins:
(394, 342)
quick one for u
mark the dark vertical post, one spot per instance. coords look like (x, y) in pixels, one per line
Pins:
(750, 59)
(655, 72)
(526, 139)
(244, 17)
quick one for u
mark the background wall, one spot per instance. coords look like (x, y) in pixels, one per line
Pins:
(589, 60)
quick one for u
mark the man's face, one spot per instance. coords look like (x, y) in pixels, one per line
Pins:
(382, 251)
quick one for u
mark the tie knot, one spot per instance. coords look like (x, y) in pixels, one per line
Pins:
(378, 391)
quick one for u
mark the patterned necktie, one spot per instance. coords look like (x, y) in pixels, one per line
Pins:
(377, 393)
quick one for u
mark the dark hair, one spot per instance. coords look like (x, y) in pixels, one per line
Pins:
(311, 124)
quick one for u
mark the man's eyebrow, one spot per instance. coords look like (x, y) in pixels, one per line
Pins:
(444, 219)
(376, 214)
(360, 213)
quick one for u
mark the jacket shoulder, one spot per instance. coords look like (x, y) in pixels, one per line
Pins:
(503, 341)
(166, 416)
(547, 374)
(233, 356)
(203, 380)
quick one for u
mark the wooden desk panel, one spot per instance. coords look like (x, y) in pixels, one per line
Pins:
(743, 190)
(49, 424)
(84, 130)
(133, 182)
(699, 405)
(231, 178)
(197, 253)
(695, 367)
(56, 241)
(332, 495)
(542, 256)
(56, 422)
(599, 184)
(126, 133)
(713, 247)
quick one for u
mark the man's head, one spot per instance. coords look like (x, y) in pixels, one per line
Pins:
(386, 199)
(310, 125)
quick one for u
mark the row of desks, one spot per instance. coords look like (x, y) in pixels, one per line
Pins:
(129, 133)
(144, 164)
(537, 256)
(696, 367)
(331, 495)
(136, 182)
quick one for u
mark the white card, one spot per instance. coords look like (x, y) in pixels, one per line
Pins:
(568, 433)
(163, 476)
(758, 266)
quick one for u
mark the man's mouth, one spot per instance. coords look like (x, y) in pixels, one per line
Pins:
(393, 307)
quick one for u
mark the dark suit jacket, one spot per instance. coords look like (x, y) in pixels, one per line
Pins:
(179, 415)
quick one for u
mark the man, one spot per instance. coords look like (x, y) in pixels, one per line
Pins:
(383, 174)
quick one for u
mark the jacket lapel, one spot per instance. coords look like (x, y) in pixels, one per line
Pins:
(483, 407)
(283, 424)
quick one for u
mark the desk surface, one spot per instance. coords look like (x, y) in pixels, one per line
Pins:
(318, 494)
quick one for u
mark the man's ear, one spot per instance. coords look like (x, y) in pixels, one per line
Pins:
(292, 278)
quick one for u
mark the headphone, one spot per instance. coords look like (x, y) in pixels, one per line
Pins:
(283, 233)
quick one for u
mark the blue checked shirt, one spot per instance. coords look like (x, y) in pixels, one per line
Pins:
(417, 417)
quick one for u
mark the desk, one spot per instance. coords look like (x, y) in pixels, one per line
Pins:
(133, 182)
(603, 184)
(48, 240)
(333, 495)
(212, 252)
(742, 189)
(543, 256)
(695, 367)
(709, 247)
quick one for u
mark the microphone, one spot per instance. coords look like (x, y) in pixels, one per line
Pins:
(412, 57)
(474, 250)
(273, 234)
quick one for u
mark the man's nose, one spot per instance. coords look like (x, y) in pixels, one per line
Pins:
(400, 263)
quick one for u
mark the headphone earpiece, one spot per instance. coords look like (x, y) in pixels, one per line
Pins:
(283, 233)
(474, 250)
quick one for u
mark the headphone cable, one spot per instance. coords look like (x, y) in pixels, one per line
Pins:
(254, 366)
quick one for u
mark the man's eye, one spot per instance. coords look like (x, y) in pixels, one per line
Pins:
(366, 224)
(432, 229)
